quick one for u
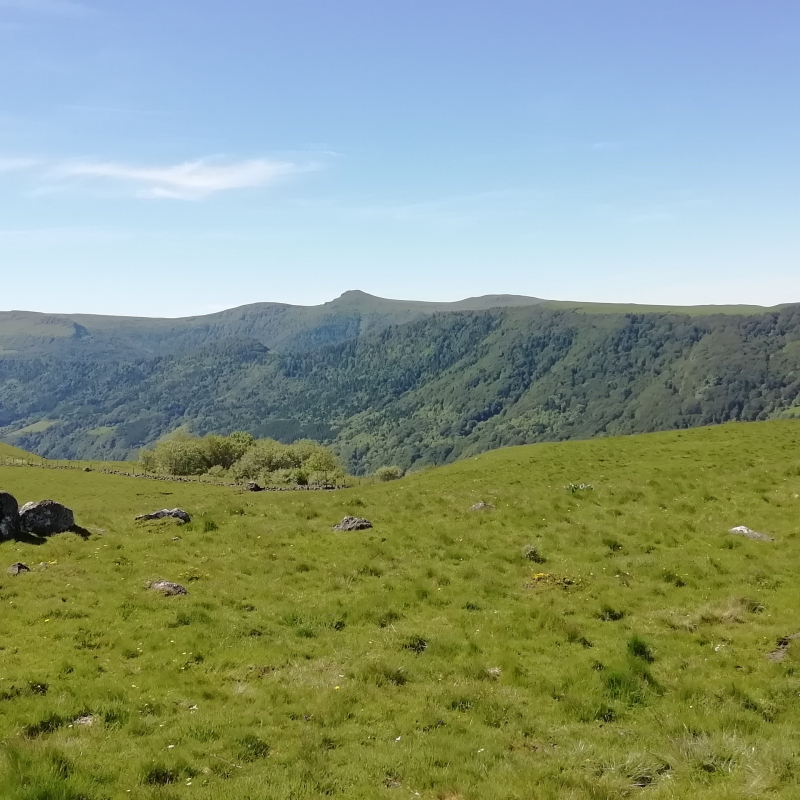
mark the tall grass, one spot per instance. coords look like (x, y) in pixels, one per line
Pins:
(430, 656)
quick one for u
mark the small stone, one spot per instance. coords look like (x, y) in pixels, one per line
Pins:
(45, 518)
(482, 507)
(18, 568)
(86, 719)
(252, 486)
(167, 588)
(175, 513)
(743, 530)
(353, 524)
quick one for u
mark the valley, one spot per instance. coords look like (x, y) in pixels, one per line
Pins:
(384, 382)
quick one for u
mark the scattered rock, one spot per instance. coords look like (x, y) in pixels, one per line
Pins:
(353, 524)
(252, 486)
(176, 538)
(482, 507)
(167, 588)
(9, 516)
(176, 513)
(45, 518)
(743, 530)
(86, 719)
(779, 653)
(18, 568)
(86, 469)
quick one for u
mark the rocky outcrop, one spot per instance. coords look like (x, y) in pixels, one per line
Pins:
(9, 516)
(45, 517)
(353, 524)
(175, 513)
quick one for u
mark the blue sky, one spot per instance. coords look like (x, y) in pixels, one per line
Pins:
(172, 158)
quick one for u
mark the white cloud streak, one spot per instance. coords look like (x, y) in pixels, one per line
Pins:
(13, 164)
(58, 7)
(191, 180)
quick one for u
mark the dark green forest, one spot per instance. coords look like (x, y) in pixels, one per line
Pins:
(429, 391)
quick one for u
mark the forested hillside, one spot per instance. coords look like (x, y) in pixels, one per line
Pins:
(443, 386)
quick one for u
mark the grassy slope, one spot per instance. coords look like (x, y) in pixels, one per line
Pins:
(286, 673)
(7, 451)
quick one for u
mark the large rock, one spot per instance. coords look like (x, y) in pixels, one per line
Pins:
(18, 568)
(175, 513)
(45, 518)
(9, 516)
(353, 524)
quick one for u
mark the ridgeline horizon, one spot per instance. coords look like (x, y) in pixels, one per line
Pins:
(357, 297)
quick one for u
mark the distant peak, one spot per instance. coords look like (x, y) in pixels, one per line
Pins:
(355, 298)
(355, 294)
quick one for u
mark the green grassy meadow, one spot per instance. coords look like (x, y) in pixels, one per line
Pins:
(623, 654)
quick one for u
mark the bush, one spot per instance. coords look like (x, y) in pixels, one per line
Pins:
(388, 473)
(244, 458)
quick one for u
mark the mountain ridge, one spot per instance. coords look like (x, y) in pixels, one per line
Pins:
(441, 387)
(275, 325)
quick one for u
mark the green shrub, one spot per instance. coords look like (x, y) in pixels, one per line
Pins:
(388, 473)
(244, 458)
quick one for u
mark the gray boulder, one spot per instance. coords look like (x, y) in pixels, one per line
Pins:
(45, 518)
(175, 513)
(167, 588)
(482, 507)
(9, 516)
(353, 524)
(18, 568)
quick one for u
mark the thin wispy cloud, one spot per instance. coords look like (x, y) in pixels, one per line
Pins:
(58, 7)
(191, 180)
(14, 164)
